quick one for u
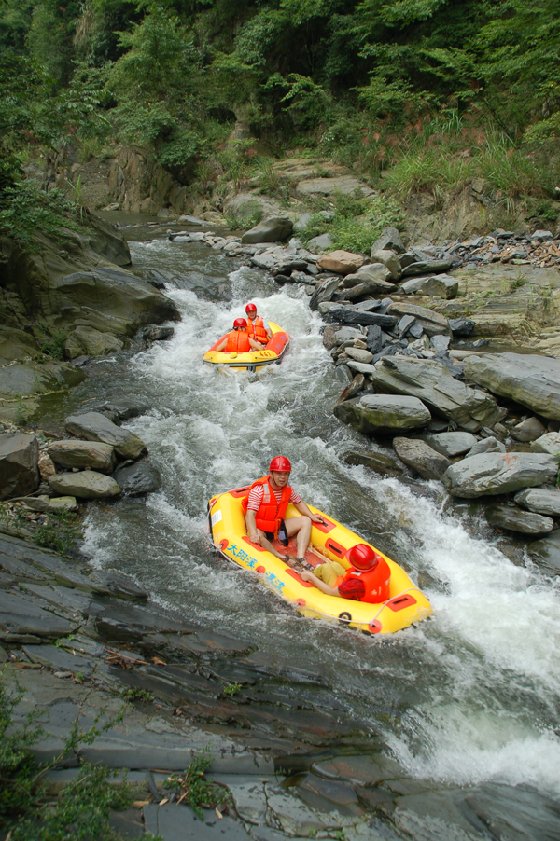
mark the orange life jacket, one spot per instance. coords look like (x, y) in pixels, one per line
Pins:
(256, 330)
(237, 342)
(271, 513)
(375, 581)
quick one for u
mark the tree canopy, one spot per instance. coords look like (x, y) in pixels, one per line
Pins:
(172, 75)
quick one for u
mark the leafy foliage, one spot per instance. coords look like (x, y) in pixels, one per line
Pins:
(355, 222)
(26, 209)
(355, 77)
(196, 790)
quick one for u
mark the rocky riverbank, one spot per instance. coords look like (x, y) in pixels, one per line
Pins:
(91, 649)
(296, 765)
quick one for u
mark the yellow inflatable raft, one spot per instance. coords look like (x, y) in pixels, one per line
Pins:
(405, 606)
(254, 359)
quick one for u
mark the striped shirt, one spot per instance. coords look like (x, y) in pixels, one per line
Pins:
(256, 496)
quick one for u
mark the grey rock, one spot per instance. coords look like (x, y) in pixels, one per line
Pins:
(405, 325)
(461, 327)
(527, 430)
(439, 286)
(86, 484)
(487, 445)
(528, 379)
(374, 338)
(548, 443)
(440, 344)
(354, 316)
(452, 444)
(542, 236)
(383, 413)
(422, 267)
(21, 619)
(488, 474)
(174, 822)
(390, 239)
(423, 459)
(363, 356)
(389, 259)
(320, 243)
(94, 426)
(157, 332)
(540, 500)
(323, 292)
(85, 339)
(92, 455)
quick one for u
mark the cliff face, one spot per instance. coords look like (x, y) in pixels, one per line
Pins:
(63, 299)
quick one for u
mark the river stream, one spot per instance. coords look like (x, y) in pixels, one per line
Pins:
(471, 695)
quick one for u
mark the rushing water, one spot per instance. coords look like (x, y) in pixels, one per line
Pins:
(470, 695)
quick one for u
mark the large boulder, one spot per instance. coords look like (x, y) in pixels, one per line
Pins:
(138, 477)
(92, 455)
(19, 471)
(451, 444)
(87, 484)
(432, 382)
(528, 379)
(490, 474)
(110, 300)
(540, 500)
(93, 426)
(383, 414)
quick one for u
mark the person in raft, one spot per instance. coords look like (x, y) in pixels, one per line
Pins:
(363, 576)
(238, 340)
(265, 513)
(256, 327)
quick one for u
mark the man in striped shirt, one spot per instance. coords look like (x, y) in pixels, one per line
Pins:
(266, 513)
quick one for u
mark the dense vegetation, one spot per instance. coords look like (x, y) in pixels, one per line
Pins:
(429, 93)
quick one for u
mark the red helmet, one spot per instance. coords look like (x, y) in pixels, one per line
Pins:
(240, 322)
(363, 557)
(280, 464)
(250, 308)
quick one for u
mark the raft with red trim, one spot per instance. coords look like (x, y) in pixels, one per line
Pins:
(405, 606)
(254, 359)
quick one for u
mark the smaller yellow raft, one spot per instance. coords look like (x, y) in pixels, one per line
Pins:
(254, 359)
(405, 606)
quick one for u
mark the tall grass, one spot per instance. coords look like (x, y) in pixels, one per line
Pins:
(447, 154)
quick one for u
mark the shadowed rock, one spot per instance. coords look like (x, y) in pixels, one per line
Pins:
(19, 470)
(513, 518)
(383, 413)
